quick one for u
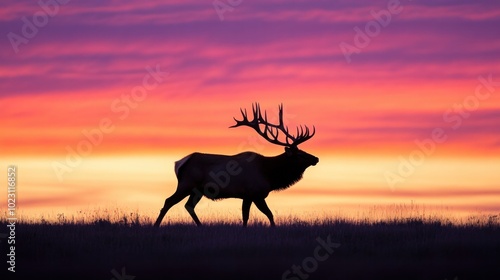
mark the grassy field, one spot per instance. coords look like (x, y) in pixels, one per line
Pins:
(128, 246)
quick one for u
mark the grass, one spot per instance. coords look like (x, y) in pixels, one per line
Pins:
(409, 247)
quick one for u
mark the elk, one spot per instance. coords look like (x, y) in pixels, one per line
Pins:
(248, 175)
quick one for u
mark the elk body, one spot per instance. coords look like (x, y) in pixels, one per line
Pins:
(248, 176)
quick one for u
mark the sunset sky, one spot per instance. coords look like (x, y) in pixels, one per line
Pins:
(98, 100)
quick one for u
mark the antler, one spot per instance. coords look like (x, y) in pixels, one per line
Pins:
(271, 131)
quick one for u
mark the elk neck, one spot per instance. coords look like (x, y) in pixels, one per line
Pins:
(282, 171)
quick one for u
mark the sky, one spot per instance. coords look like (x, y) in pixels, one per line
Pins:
(99, 99)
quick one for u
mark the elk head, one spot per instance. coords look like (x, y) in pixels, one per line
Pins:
(271, 132)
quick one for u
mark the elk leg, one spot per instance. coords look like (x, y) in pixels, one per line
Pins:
(262, 205)
(245, 208)
(169, 202)
(190, 204)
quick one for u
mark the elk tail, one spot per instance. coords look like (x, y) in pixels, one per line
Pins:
(179, 164)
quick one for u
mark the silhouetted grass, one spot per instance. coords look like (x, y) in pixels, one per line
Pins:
(394, 249)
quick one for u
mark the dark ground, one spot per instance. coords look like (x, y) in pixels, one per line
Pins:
(409, 249)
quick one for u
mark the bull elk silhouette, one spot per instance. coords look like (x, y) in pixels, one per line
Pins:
(248, 175)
